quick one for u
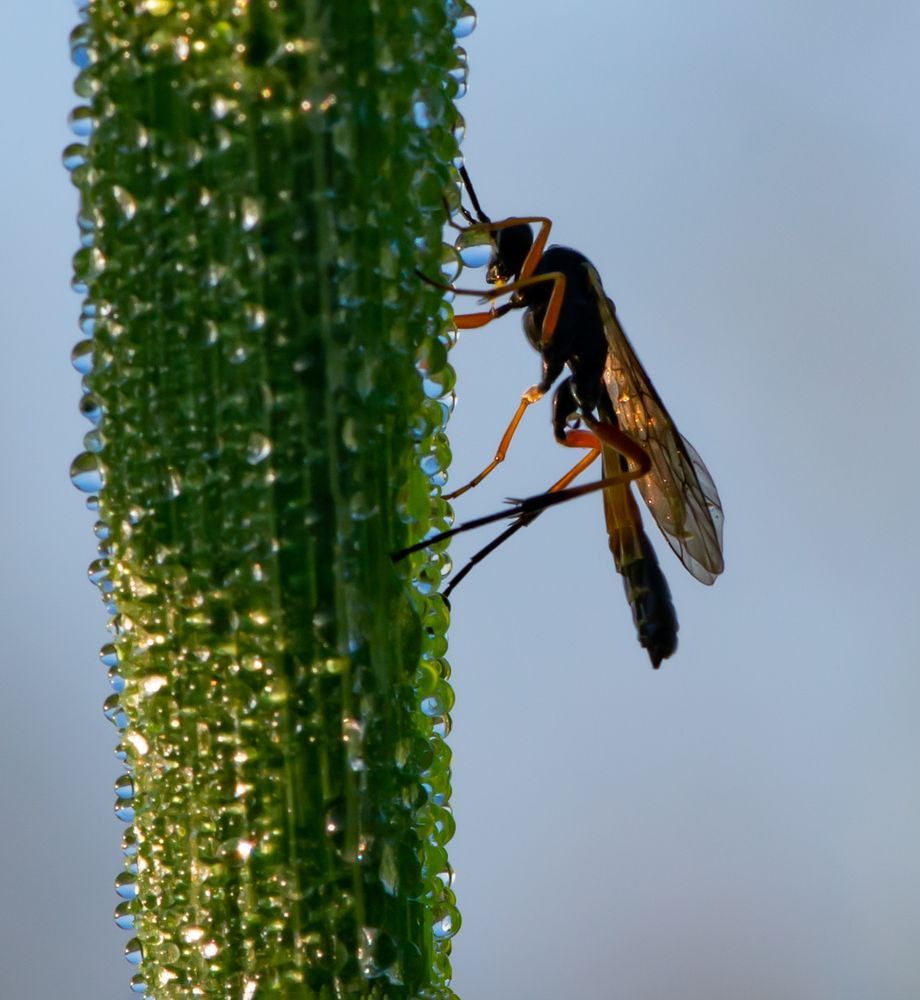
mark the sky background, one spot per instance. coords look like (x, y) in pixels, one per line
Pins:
(743, 822)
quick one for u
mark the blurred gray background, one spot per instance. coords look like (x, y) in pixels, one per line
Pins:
(743, 823)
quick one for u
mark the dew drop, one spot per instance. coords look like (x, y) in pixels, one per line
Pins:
(124, 918)
(124, 811)
(450, 263)
(256, 316)
(353, 738)
(109, 655)
(333, 665)
(91, 408)
(476, 255)
(465, 21)
(154, 684)
(124, 787)
(430, 465)
(445, 926)
(156, 8)
(114, 712)
(360, 507)
(334, 820)
(81, 357)
(432, 389)
(125, 885)
(134, 953)
(459, 133)
(98, 573)
(129, 844)
(475, 248)
(172, 484)
(251, 214)
(86, 223)
(87, 474)
(97, 262)
(220, 107)
(139, 742)
(258, 448)
(421, 115)
(74, 156)
(460, 73)
(93, 441)
(80, 52)
(389, 870)
(351, 437)
(125, 202)
(81, 121)
(432, 706)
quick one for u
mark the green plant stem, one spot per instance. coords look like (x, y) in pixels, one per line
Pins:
(259, 185)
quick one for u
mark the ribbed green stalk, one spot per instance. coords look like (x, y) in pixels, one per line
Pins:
(259, 181)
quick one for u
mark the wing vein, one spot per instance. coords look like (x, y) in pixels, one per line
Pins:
(678, 489)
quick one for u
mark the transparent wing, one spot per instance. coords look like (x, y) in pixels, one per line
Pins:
(679, 491)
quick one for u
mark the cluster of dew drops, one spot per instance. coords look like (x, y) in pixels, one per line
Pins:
(453, 259)
(468, 250)
(87, 471)
(88, 475)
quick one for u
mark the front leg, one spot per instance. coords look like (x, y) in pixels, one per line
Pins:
(470, 320)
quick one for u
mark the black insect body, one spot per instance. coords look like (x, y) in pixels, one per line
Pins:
(579, 340)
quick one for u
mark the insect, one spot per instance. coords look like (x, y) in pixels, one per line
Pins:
(605, 404)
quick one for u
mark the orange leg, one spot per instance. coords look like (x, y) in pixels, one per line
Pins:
(622, 443)
(527, 398)
(573, 439)
(477, 319)
(578, 439)
(472, 321)
(560, 492)
(595, 439)
(525, 511)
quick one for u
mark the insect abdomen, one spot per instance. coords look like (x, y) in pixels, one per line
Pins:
(649, 598)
